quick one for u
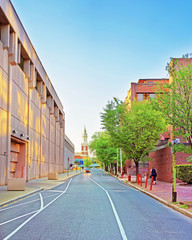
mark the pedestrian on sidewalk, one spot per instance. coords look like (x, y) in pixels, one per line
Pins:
(154, 174)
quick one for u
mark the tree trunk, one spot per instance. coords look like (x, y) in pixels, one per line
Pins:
(106, 167)
(190, 142)
(137, 167)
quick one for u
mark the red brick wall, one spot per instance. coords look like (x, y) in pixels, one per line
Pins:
(162, 161)
(145, 88)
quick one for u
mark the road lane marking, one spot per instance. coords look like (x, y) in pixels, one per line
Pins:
(3, 209)
(122, 231)
(13, 219)
(40, 210)
(41, 199)
(54, 191)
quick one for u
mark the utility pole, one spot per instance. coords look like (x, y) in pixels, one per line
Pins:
(174, 193)
(117, 161)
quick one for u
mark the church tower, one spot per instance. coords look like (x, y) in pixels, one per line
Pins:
(84, 144)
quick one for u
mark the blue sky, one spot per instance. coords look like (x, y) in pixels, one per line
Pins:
(93, 49)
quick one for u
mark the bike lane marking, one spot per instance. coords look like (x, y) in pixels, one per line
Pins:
(7, 208)
(122, 231)
(38, 211)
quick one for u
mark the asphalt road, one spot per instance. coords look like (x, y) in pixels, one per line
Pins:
(93, 206)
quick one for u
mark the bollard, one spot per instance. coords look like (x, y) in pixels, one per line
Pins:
(129, 178)
(141, 180)
(146, 180)
(138, 179)
(121, 174)
(151, 183)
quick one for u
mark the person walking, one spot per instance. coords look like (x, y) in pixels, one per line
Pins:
(154, 174)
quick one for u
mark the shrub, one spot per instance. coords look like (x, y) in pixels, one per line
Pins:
(184, 172)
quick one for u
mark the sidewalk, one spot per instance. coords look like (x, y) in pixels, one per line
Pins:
(162, 192)
(33, 186)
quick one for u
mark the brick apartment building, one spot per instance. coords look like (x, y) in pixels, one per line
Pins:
(161, 157)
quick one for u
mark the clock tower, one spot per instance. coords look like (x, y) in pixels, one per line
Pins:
(84, 144)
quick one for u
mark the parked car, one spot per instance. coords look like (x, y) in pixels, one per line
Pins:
(87, 170)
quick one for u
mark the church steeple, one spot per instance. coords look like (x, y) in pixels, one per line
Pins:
(84, 144)
(84, 136)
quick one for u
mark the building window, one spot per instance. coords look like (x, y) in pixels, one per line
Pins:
(21, 64)
(139, 97)
(86, 148)
(152, 95)
(82, 148)
(150, 83)
(146, 96)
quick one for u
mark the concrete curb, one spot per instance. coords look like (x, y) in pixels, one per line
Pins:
(183, 211)
(36, 191)
(21, 197)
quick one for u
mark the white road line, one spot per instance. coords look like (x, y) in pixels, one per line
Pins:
(41, 199)
(25, 203)
(40, 210)
(122, 231)
(13, 219)
(54, 191)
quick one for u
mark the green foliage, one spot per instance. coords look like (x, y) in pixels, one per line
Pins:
(175, 100)
(189, 159)
(184, 206)
(101, 144)
(184, 172)
(136, 131)
(87, 161)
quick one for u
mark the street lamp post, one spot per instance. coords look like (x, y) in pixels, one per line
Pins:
(121, 161)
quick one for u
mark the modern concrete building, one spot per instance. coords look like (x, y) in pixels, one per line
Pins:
(32, 120)
(69, 150)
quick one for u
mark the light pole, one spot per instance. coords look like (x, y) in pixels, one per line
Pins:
(121, 161)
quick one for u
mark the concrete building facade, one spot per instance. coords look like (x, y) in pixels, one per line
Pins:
(69, 151)
(32, 120)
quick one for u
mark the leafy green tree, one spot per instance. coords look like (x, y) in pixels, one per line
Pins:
(174, 100)
(103, 148)
(87, 161)
(137, 131)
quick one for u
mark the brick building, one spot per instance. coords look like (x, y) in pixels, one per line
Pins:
(144, 89)
(161, 156)
(79, 156)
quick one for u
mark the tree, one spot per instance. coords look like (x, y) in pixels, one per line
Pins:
(174, 101)
(136, 131)
(87, 161)
(103, 148)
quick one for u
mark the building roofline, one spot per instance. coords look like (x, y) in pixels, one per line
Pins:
(153, 79)
(5, 5)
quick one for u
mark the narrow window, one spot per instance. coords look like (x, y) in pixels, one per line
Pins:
(139, 97)
(152, 95)
(21, 64)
